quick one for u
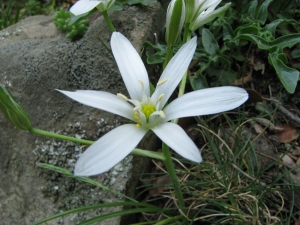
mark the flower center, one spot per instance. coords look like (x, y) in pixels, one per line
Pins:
(148, 109)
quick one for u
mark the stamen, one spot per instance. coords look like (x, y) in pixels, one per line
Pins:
(138, 125)
(160, 97)
(136, 116)
(142, 83)
(161, 114)
(136, 108)
(122, 97)
(162, 81)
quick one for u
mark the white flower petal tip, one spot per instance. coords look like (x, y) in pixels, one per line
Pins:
(102, 100)
(109, 150)
(131, 66)
(176, 138)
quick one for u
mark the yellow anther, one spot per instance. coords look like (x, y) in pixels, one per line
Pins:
(160, 97)
(161, 114)
(136, 116)
(162, 81)
(138, 125)
(142, 83)
(122, 97)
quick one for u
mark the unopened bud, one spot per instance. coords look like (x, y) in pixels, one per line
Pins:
(208, 14)
(174, 21)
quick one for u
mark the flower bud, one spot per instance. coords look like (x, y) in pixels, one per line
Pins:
(207, 13)
(13, 111)
(192, 6)
(174, 21)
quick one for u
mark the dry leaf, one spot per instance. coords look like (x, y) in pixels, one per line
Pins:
(259, 66)
(164, 185)
(242, 80)
(267, 123)
(287, 133)
(297, 222)
(298, 161)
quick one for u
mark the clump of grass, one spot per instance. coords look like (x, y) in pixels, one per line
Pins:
(231, 186)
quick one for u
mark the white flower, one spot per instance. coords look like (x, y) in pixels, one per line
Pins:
(84, 6)
(149, 112)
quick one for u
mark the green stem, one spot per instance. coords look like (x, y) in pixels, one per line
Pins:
(59, 136)
(108, 22)
(186, 37)
(187, 33)
(168, 56)
(136, 151)
(172, 174)
(149, 154)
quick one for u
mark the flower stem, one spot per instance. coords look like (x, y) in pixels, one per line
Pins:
(108, 22)
(187, 33)
(149, 154)
(171, 171)
(59, 136)
(168, 56)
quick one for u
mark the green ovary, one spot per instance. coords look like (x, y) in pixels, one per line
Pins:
(148, 110)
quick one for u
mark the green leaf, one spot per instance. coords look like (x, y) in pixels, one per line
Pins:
(12, 110)
(252, 9)
(222, 76)
(156, 58)
(289, 77)
(295, 53)
(286, 41)
(271, 27)
(143, 2)
(279, 43)
(228, 34)
(198, 82)
(263, 11)
(209, 42)
(143, 208)
(246, 29)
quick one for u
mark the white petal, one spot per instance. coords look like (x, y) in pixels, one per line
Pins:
(175, 137)
(102, 100)
(109, 150)
(174, 71)
(205, 102)
(130, 65)
(83, 6)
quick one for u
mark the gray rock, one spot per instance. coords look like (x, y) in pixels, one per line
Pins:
(34, 61)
